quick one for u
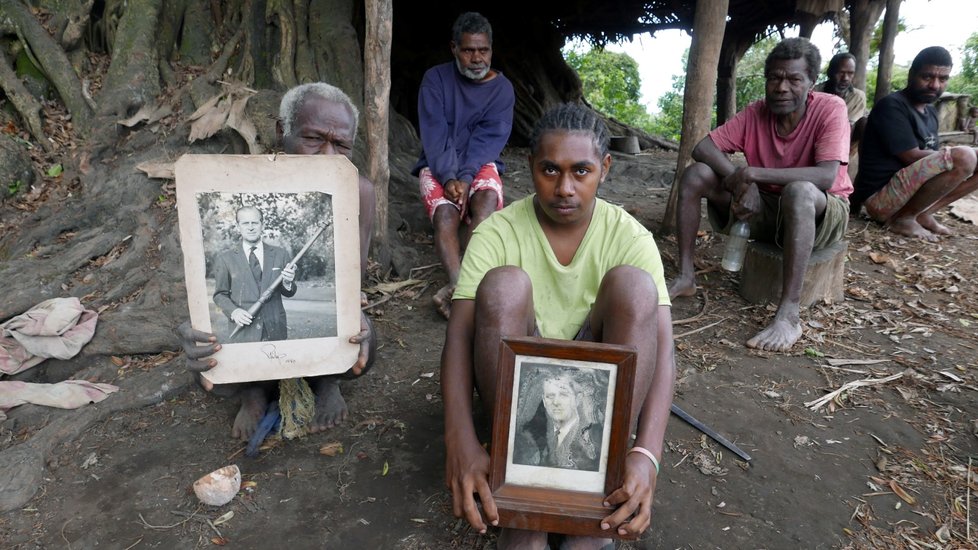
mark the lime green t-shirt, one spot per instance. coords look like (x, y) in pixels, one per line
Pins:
(562, 295)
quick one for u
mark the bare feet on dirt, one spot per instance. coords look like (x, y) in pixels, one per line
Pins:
(778, 336)
(254, 403)
(682, 286)
(930, 223)
(330, 406)
(909, 227)
(443, 300)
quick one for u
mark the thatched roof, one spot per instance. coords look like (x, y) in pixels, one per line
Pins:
(612, 21)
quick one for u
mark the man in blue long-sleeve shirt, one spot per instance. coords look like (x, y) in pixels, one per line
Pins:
(465, 114)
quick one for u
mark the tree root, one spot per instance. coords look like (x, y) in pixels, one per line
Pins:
(24, 102)
(23, 464)
(53, 60)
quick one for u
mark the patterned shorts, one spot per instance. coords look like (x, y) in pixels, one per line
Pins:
(433, 194)
(905, 183)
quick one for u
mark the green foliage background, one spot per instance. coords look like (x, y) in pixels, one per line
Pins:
(612, 84)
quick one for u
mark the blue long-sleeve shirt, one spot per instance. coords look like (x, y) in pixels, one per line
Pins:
(464, 124)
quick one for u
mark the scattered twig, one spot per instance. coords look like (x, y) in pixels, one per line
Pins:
(421, 268)
(676, 465)
(377, 303)
(694, 331)
(698, 316)
(68, 542)
(841, 345)
(236, 453)
(148, 525)
(854, 371)
(821, 401)
(133, 545)
(841, 362)
(197, 517)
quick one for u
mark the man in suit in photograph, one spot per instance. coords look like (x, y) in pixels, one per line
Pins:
(242, 273)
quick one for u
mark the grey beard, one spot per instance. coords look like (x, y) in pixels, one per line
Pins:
(469, 73)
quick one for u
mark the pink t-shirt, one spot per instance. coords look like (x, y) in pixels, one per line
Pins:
(823, 134)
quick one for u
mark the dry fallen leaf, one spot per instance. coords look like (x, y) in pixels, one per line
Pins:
(878, 258)
(224, 518)
(219, 541)
(160, 170)
(901, 493)
(331, 449)
(118, 361)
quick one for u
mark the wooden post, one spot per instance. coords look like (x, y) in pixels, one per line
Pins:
(891, 23)
(709, 22)
(862, 19)
(377, 90)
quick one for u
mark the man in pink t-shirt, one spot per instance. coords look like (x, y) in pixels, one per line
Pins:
(794, 189)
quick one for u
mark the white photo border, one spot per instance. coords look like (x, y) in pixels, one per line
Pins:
(330, 174)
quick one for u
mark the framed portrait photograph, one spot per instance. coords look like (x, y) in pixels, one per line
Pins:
(271, 250)
(560, 433)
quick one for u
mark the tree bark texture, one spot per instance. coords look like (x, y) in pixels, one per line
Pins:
(704, 56)
(863, 15)
(133, 78)
(891, 23)
(377, 78)
(23, 101)
(731, 52)
(54, 62)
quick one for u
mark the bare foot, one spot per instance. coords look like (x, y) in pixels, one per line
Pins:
(778, 336)
(682, 286)
(521, 539)
(330, 405)
(254, 403)
(909, 227)
(930, 223)
(443, 300)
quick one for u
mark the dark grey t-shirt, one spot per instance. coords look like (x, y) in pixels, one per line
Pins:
(894, 126)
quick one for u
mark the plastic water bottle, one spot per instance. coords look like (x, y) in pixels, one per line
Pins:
(733, 256)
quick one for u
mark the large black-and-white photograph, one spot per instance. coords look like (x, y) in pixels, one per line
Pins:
(560, 423)
(270, 265)
(271, 249)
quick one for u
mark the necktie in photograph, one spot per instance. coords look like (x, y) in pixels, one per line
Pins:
(255, 266)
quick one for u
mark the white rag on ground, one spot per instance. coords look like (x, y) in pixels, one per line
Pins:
(57, 328)
(966, 208)
(69, 394)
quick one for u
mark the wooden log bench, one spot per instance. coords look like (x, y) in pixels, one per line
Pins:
(760, 278)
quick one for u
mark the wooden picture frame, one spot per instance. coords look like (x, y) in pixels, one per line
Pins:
(307, 203)
(548, 482)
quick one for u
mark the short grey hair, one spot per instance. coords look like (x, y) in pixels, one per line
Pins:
(251, 207)
(471, 23)
(296, 97)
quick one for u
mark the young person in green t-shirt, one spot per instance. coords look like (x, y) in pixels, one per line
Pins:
(560, 263)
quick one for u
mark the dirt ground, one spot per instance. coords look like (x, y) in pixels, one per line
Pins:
(881, 466)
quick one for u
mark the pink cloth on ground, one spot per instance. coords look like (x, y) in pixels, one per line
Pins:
(57, 328)
(69, 394)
